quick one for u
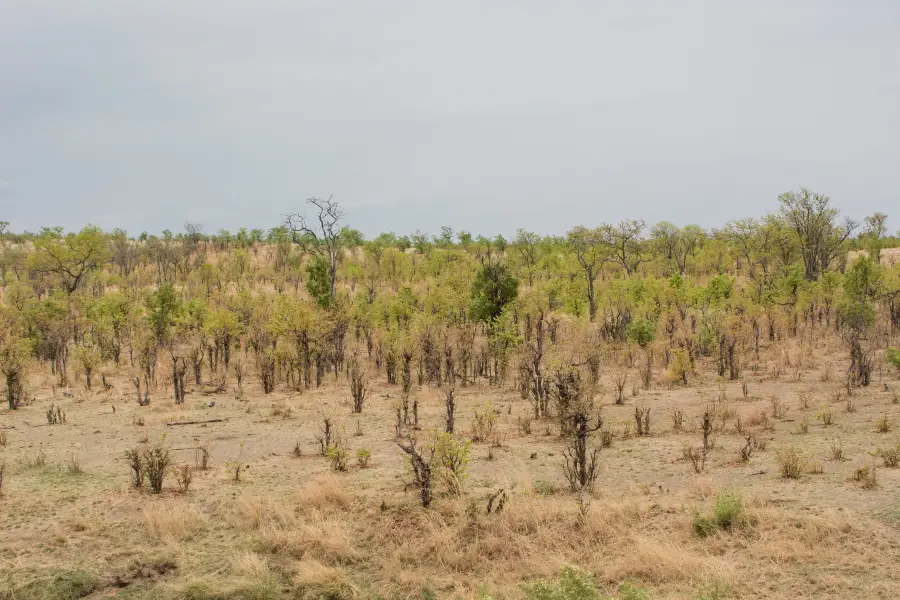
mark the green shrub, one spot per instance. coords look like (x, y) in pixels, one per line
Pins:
(362, 457)
(543, 488)
(574, 584)
(703, 526)
(728, 509)
(628, 591)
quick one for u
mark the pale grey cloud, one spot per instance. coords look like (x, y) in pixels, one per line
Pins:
(483, 115)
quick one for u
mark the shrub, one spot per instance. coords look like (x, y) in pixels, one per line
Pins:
(890, 456)
(156, 465)
(893, 357)
(573, 584)
(728, 514)
(184, 475)
(883, 425)
(451, 457)
(703, 526)
(133, 456)
(338, 456)
(790, 463)
(484, 423)
(826, 416)
(543, 488)
(362, 457)
(868, 476)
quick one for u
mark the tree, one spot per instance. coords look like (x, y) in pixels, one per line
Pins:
(73, 257)
(815, 227)
(861, 285)
(875, 231)
(494, 287)
(677, 244)
(14, 353)
(591, 253)
(322, 241)
(625, 244)
(526, 244)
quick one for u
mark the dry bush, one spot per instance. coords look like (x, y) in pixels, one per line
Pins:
(696, 456)
(74, 464)
(890, 456)
(826, 416)
(524, 425)
(337, 455)
(760, 419)
(184, 475)
(484, 423)
(837, 450)
(420, 461)
(791, 462)
(359, 383)
(642, 420)
(883, 424)
(677, 420)
(2, 473)
(748, 448)
(201, 456)
(867, 476)
(156, 462)
(803, 427)
(282, 409)
(804, 398)
(56, 415)
(363, 455)
(779, 408)
(172, 520)
(4, 438)
(136, 463)
(620, 382)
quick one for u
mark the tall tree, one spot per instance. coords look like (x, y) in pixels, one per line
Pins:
(322, 240)
(815, 225)
(591, 253)
(625, 244)
(73, 257)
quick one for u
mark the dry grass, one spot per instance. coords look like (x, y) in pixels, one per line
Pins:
(291, 528)
(170, 520)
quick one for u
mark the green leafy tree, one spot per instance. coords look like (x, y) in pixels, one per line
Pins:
(494, 287)
(71, 258)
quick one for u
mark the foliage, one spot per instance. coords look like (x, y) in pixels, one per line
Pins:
(573, 584)
(493, 289)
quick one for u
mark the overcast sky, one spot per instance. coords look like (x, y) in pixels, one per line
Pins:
(482, 115)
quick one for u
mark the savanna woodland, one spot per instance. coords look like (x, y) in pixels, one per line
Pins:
(628, 411)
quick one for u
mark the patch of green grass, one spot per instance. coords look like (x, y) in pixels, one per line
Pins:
(728, 509)
(60, 585)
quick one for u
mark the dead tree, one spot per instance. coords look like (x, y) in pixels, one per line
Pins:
(322, 241)
(179, 370)
(581, 466)
(145, 401)
(642, 418)
(359, 385)
(420, 460)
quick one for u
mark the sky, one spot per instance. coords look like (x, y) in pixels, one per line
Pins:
(484, 116)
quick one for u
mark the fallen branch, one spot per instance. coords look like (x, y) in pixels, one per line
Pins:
(170, 423)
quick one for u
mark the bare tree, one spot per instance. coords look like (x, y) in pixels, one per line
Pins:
(420, 460)
(323, 240)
